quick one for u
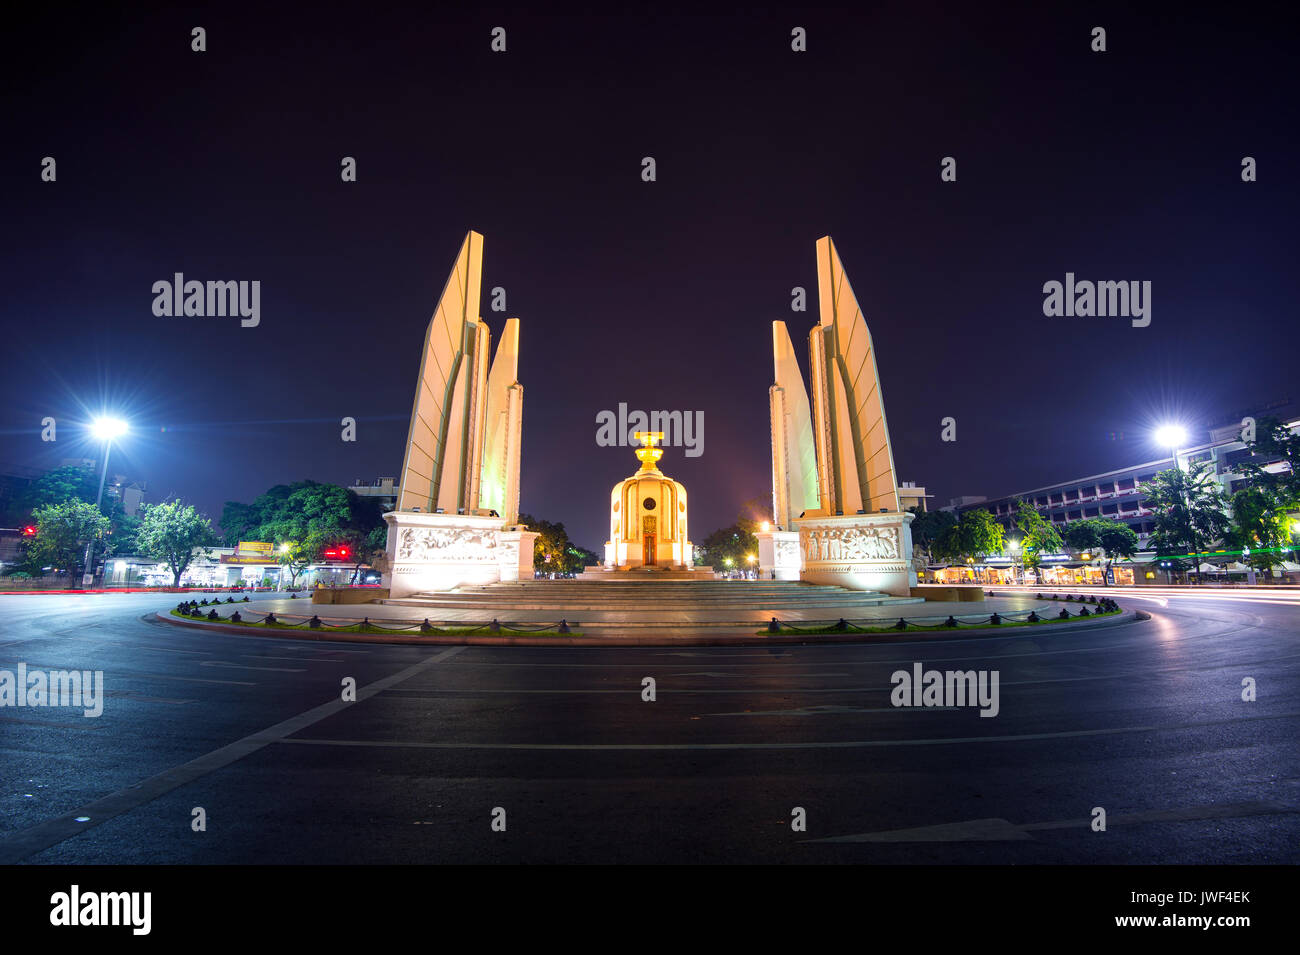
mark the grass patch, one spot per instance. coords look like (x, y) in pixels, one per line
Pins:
(932, 628)
(409, 631)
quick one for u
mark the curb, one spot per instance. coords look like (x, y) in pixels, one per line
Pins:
(693, 640)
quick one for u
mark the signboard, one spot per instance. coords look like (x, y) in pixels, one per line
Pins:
(245, 559)
(255, 547)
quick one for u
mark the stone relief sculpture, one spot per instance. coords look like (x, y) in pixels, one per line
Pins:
(446, 544)
(852, 543)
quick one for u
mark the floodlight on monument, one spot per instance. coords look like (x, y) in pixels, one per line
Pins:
(1170, 435)
(106, 429)
(766, 527)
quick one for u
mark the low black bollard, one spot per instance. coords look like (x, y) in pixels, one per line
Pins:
(901, 625)
(1039, 596)
(196, 612)
(1064, 615)
(841, 625)
(426, 627)
(314, 622)
(564, 626)
(494, 626)
(235, 617)
(365, 623)
(245, 600)
(996, 620)
(950, 622)
(1084, 612)
(293, 596)
(230, 600)
(270, 618)
(774, 627)
(1033, 617)
(213, 615)
(203, 602)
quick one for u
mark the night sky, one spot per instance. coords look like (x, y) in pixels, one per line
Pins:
(1123, 165)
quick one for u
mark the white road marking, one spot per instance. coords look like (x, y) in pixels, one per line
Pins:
(829, 744)
(19, 845)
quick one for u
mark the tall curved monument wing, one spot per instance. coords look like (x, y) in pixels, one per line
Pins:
(834, 488)
(499, 486)
(794, 453)
(458, 508)
(442, 436)
(855, 460)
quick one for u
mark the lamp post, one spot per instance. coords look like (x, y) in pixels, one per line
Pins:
(106, 429)
(1014, 547)
(1171, 436)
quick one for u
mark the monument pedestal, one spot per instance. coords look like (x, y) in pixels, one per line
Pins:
(437, 552)
(859, 551)
(778, 555)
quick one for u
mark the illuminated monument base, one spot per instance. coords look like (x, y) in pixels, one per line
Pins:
(858, 551)
(428, 553)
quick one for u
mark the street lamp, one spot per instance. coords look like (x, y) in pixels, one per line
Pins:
(105, 429)
(1171, 436)
(751, 558)
(1014, 547)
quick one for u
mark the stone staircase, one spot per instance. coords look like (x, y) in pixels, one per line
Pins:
(661, 602)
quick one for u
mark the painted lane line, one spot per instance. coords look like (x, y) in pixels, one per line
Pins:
(19, 845)
(831, 744)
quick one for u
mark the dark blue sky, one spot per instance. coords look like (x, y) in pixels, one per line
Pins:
(225, 165)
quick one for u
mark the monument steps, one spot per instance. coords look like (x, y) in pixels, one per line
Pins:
(650, 603)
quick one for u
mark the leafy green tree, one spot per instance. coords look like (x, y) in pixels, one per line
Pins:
(1114, 538)
(735, 543)
(1038, 536)
(976, 534)
(1274, 444)
(929, 526)
(297, 556)
(1190, 511)
(1261, 526)
(122, 536)
(63, 530)
(553, 552)
(69, 483)
(171, 533)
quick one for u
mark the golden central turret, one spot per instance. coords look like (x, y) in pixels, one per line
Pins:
(649, 455)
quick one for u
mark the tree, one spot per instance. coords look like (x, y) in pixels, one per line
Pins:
(1190, 511)
(1274, 444)
(553, 552)
(1261, 527)
(1037, 535)
(69, 483)
(976, 534)
(171, 533)
(929, 526)
(735, 543)
(63, 530)
(1113, 538)
(297, 556)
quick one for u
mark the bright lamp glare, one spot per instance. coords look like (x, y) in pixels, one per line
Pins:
(106, 429)
(1171, 435)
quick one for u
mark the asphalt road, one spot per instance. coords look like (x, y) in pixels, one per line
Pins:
(1144, 720)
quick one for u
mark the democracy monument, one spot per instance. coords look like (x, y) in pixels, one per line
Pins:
(836, 513)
